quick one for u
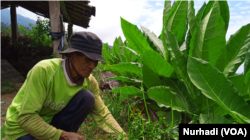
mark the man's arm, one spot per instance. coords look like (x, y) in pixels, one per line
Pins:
(33, 99)
(100, 112)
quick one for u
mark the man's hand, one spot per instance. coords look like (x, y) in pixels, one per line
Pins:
(70, 136)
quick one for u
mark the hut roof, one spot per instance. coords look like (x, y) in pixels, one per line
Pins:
(78, 11)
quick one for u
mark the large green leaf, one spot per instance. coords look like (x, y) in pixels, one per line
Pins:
(160, 66)
(106, 56)
(179, 87)
(247, 82)
(168, 116)
(154, 67)
(157, 42)
(224, 11)
(166, 10)
(237, 47)
(213, 119)
(188, 39)
(136, 40)
(238, 82)
(247, 62)
(179, 62)
(191, 17)
(116, 50)
(164, 96)
(119, 41)
(217, 87)
(176, 21)
(183, 49)
(127, 92)
(198, 19)
(200, 12)
(129, 54)
(209, 39)
(124, 67)
(247, 72)
(150, 78)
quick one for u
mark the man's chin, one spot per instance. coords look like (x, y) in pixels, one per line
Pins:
(86, 75)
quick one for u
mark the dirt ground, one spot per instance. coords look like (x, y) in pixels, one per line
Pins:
(7, 99)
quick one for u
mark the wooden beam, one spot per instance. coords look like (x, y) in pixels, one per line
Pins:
(70, 30)
(55, 23)
(14, 29)
(64, 11)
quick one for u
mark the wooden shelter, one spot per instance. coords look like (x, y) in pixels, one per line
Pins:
(73, 12)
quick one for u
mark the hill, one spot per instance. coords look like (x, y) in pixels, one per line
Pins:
(5, 19)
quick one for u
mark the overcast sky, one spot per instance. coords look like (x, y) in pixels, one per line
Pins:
(106, 23)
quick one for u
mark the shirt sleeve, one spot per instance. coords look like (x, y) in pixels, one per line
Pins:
(33, 99)
(100, 112)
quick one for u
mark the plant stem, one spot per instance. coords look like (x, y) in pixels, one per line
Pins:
(145, 101)
(172, 114)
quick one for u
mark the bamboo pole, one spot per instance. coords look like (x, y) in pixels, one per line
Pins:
(14, 29)
(54, 11)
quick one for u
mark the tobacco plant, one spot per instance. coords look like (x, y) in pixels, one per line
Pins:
(190, 64)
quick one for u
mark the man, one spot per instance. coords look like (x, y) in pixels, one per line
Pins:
(58, 94)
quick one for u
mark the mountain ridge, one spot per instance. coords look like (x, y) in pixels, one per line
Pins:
(5, 18)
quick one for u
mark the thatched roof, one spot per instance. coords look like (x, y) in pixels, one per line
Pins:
(79, 11)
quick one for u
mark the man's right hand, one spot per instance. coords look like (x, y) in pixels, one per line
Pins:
(70, 136)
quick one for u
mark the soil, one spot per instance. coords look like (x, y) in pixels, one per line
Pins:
(7, 99)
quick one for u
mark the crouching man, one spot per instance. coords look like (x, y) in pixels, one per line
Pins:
(58, 95)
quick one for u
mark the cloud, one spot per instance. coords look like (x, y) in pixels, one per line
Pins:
(233, 13)
(236, 17)
(236, 22)
(107, 24)
(244, 8)
(243, 12)
(237, 5)
(159, 4)
(154, 23)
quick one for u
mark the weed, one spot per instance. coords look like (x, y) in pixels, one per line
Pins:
(88, 128)
(132, 120)
(117, 110)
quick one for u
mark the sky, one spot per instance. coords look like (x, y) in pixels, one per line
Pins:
(106, 23)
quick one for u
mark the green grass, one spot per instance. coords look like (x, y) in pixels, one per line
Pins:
(132, 120)
(7, 86)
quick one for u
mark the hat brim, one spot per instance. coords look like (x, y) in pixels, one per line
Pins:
(92, 56)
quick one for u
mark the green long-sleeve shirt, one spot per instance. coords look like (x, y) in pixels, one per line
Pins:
(46, 91)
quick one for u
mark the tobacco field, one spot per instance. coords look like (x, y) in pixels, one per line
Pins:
(188, 72)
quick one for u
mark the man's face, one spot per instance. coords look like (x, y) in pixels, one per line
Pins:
(83, 65)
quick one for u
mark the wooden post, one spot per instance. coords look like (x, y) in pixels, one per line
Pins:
(14, 29)
(54, 11)
(70, 30)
